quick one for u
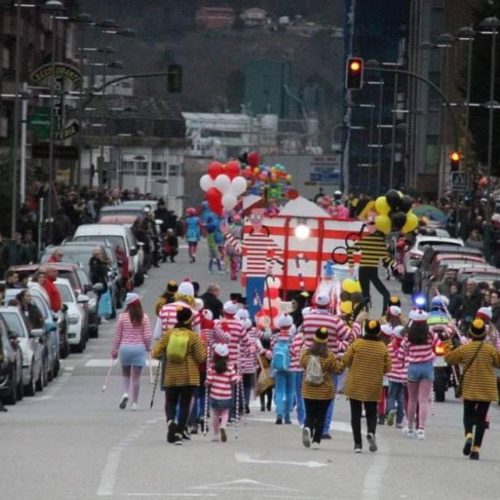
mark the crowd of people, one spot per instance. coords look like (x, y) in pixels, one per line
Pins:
(213, 356)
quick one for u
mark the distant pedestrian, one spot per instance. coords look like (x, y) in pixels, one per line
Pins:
(221, 377)
(368, 360)
(211, 300)
(479, 386)
(193, 232)
(185, 352)
(131, 342)
(317, 387)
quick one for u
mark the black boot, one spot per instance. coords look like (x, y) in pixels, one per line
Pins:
(172, 429)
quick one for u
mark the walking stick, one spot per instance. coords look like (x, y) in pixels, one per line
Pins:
(150, 364)
(237, 422)
(108, 375)
(158, 370)
(205, 411)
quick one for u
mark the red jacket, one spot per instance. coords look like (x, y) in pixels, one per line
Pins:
(54, 295)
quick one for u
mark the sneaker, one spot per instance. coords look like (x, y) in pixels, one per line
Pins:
(409, 432)
(372, 442)
(474, 455)
(399, 425)
(391, 417)
(172, 427)
(279, 420)
(326, 436)
(223, 435)
(247, 409)
(288, 421)
(306, 437)
(315, 445)
(104, 321)
(420, 434)
(186, 436)
(123, 401)
(146, 276)
(215, 439)
(381, 420)
(193, 429)
(178, 440)
(467, 445)
(358, 449)
(134, 407)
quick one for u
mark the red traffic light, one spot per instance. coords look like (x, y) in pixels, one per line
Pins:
(354, 73)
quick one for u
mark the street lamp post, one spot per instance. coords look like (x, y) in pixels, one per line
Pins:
(371, 107)
(380, 83)
(490, 26)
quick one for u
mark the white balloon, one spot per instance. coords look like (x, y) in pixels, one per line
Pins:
(223, 183)
(206, 182)
(238, 185)
(229, 201)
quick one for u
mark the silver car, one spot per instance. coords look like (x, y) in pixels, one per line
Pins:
(31, 345)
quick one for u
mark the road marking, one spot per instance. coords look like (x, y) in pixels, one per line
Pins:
(69, 368)
(334, 426)
(197, 495)
(375, 475)
(242, 485)
(110, 470)
(54, 388)
(247, 459)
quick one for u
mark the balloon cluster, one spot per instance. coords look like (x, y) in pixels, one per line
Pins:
(261, 178)
(222, 185)
(395, 213)
(271, 307)
(350, 295)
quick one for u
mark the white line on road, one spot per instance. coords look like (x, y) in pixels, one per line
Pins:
(375, 475)
(106, 363)
(54, 388)
(247, 459)
(110, 470)
(197, 495)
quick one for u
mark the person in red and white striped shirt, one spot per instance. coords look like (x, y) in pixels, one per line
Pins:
(295, 352)
(183, 298)
(221, 378)
(417, 351)
(397, 376)
(131, 341)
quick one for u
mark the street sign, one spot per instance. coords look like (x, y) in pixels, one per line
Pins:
(460, 181)
(39, 122)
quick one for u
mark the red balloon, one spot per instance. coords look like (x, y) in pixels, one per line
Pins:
(253, 159)
(273, 293)
(213, 195)
(214, 169)
(292, 194)
(232, 169)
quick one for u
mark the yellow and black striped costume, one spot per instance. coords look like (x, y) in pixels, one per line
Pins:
(373, 249)
(187, 372)
(368, 361)
(480, 382)
(326, 390)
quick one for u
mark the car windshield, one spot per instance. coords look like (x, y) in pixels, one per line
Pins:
(14, 323)
(435, 243)
(114, 240)
(65, 293)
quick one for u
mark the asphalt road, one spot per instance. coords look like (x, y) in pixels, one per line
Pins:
(72, 441)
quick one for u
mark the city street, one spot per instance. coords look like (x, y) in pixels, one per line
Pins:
(72, 441)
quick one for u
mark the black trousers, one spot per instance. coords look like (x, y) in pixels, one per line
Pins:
(370, 274)
(475, 415)
(315, 417)
(181, 396)
(371, 419)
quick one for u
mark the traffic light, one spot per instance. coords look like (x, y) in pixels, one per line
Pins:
(174, 78)
(455, 158)
(354, 73)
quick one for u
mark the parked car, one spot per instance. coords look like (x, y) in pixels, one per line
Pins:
(127, 250)
(431, 253)
(414, 255)
(77, 314)
(11, 376)
(479, 272)
(31, 345)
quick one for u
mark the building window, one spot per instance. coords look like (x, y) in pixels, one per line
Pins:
(158, 169)
(173, 170)
(142, 168)
(6, 58)
(128, 167)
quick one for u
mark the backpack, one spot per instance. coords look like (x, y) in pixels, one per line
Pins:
(314, 373)
(281, 356)
(177, 346)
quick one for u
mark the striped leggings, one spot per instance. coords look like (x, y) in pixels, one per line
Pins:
(132, 374)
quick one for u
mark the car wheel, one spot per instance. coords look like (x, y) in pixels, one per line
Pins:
(11, 398)
(30, 388)
(50, 374)
(64, 350)
(57, 367)
(40, 383)
(80, 346)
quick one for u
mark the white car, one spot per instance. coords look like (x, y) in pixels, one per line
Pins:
(414, 255)
(31, 348)
(76, 314)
